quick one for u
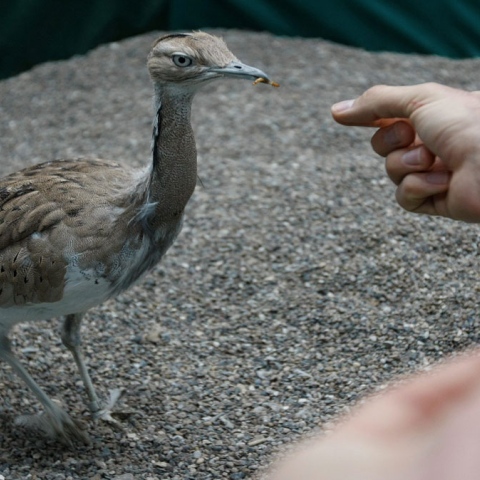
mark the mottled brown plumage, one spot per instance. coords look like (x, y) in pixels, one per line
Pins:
(74, 233)
(45, 208)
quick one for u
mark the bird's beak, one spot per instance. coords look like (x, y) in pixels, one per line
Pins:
(240, 70)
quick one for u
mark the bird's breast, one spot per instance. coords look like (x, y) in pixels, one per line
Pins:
(89, 283)
(139, 255)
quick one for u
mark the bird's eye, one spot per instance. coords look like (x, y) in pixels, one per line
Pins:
(182, 60)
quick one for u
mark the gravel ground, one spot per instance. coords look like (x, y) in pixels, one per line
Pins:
(297, 287)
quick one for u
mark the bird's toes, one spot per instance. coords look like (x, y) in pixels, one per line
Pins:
(74, 431)
(56, 425)
(107, 414)
(115, 396)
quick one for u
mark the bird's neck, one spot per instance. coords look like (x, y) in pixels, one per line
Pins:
(174, 166)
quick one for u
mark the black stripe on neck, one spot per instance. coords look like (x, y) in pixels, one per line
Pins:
(156, 135)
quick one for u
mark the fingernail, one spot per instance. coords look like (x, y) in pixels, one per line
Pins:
(412, 157)
(391, 136)
(437, 178)
(342, 106)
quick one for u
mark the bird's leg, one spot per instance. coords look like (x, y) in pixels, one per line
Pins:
(72, 340)
(57, 423)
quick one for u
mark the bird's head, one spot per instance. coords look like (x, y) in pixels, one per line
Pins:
(190, 60)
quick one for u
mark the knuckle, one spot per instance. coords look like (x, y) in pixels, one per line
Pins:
(375, 91)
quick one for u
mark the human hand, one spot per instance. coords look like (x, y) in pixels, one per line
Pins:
(425, 429)
(430, 137)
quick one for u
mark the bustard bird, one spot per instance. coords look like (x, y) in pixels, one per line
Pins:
(75, 232)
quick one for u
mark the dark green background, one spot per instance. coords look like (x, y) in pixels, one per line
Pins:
(33, 31)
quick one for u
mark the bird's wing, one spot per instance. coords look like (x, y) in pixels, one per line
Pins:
(48, 213)
(41, 197)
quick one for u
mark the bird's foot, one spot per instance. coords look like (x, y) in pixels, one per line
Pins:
(56, 424)
(106, 413)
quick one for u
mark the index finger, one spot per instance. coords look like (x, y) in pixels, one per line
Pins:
(382, 105)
